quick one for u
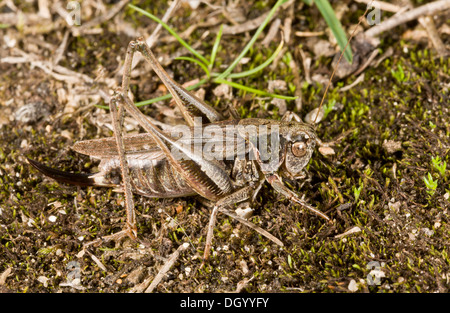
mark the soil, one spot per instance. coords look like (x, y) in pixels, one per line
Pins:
(390, 229)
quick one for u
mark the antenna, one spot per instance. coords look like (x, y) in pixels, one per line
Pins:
(340, 57)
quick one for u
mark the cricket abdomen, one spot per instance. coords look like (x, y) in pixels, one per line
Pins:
(149, 177)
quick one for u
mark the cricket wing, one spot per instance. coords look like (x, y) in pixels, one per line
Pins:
(218, 141)
(105, 148)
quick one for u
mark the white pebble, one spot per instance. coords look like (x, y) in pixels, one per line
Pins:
(244, 213)
(352, 286)
(428, 231)
(43, 280)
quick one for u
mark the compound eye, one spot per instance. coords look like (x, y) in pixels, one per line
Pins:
(299, 149)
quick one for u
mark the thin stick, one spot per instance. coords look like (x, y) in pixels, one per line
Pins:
(252, 226)
(117, 120)
(114, 237)
(172, 259)
(77, 31)
(427, 9)
(60, 50)
(428, 23)
(384, 6)
(209, 235)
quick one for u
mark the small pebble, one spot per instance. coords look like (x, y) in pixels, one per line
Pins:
(310, 118)
(352, 286)
(43, 280)
(244, 213)
(394, 206)
(326, 151)
(392, 146)
(428, 231)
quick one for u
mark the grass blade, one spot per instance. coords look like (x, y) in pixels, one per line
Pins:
(161, 98)
(253, 90)
(215, 47)
(330, 18)
(203, 66)
(169, 96)
(252, 41)
(172, 32)
(260, 67)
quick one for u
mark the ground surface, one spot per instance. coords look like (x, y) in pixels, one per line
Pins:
(373, 186)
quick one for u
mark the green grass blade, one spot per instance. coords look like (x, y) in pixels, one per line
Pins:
(253, 90)
(253, 40)
(203, 66)
(172, 32)
(215, 47)
(330, 18)
(150, 101)
(169, 96)
(260, 67)
(162, 98)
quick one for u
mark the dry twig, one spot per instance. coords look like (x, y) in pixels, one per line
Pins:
(428, 23)
(427, 9)
(77, 31)
(384, 6)
(169, 263)
(274, 27)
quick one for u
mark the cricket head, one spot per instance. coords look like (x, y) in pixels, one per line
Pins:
(299, 145)
(282, 146)
(300, 140)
